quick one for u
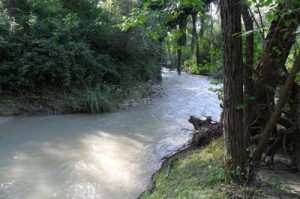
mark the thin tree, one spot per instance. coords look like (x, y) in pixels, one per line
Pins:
(181, 41)
(10, 7)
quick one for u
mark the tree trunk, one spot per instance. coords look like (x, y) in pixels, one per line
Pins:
(201, 35)
(10, 7)
(212, 37)
(279, 41)
(248, 67)
(196, 38)
(194, 32)
(263, 142)
(294, 104)
(235, 153)
(181, 40)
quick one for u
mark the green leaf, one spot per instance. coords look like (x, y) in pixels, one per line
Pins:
(240, 106)
(298, 30)
(251, 98)
(246, 33)
(146, 5)
(216, 83)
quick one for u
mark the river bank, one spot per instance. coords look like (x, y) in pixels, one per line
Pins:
(199, 173)
(53, 101)
(196, 170)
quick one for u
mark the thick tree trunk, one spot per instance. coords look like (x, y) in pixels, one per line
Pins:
(235, 153)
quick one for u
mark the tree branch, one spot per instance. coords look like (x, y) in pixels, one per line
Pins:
(263, 142)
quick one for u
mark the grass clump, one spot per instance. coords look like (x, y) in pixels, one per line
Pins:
(277, 184)
(96, 101)
(196, 174)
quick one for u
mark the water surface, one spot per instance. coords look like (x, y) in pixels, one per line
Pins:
(106, 156)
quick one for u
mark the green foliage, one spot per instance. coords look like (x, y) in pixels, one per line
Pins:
(217, 88)
(214, 54)
(72, 44)
(240, 107)
(292, 56)
(162, 18)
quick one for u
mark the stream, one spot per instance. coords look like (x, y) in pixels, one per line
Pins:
(105, 156)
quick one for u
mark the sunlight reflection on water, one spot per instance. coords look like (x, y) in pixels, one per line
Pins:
(107, 156)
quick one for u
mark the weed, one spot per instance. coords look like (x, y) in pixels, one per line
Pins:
(278, 185)
(95, 101)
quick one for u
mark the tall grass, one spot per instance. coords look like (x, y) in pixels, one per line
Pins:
(96, 101)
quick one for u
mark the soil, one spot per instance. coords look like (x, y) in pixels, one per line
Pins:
(280, 171)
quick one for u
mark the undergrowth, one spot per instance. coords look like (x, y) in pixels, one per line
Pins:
(53, 100)
(196, 174)
(199, 173)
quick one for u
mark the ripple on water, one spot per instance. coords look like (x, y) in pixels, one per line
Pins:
(108, 156)
(6, 190)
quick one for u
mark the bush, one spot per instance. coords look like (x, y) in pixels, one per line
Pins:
(71, 44)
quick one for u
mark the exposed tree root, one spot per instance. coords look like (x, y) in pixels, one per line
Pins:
(205, 132)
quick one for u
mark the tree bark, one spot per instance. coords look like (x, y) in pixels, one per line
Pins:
(195, 41)
(181, 40)
(201, 37)
(248, 67)
(194, 32)
(263, 142)
(235, 153)
(10, 7)
(212, 37)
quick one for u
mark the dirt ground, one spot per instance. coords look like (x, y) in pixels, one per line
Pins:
(278, 180)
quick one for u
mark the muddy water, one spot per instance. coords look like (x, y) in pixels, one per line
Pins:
(107, 156)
